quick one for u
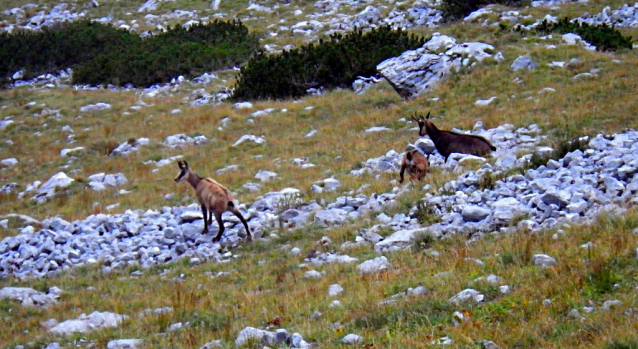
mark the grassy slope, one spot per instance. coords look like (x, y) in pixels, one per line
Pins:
(265, 283)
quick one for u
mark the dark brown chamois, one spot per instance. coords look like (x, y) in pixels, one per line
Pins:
(448, 142)
(416, 164)
(213, 197)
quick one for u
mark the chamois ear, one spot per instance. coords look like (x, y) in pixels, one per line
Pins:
(428, 116)
(182, 164)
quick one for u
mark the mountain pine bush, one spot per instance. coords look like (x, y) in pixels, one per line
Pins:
(100, 54)
(456, 9)
(604, 37)
(332, 63)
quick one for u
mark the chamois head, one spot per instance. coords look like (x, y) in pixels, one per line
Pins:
(183, 170)
(423, 123)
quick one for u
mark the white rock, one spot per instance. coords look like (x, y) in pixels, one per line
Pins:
(58, 181)
(125, 344)
(9, 162)
(84, 323)
(250, 138)
(472, 213)
(5, 123)
(374, 265)
(352, 339)
(400, 240)
(483, 102)
(65, 152)
(265, 176)
(251, 333)
(377, 129)
(334, 290)
(313, 274)
(243, 105)
(467, 295)
(543, 260)
(95, 107)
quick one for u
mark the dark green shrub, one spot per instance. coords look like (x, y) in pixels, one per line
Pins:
(101, 54)
(58, 47)
(332, 63)
(179, 51)
(457, 9)
(604, 37)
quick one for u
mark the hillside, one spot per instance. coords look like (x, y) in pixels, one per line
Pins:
(535, 245)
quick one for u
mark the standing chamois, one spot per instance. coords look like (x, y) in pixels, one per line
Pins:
(416, 163)
(448, 142)
(213, 197)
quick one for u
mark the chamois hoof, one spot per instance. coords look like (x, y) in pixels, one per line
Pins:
(249, 238)
(216, 239)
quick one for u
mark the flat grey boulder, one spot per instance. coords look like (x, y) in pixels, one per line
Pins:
(400, 240)
(180, 140)
(95, 107)
(332, 217)
(84, 323)
(352, 339)
(467, 295)
(265, 175)
(473, 213)
(249, 138)
(543, 260)
(508, 209)
(130, 146)
(58, 181)
(30, 297)
(125, 344)
(376, 265)
(523, 63)
(251, 333)
(334, 290)
(425, 145)
(101, 181)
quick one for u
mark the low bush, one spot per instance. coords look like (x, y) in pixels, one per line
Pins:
(457, 9)
(100, 54)
(332, 63)
(604, 37)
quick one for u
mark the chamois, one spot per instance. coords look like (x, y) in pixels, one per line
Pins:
(416, 163)
(213, 197)
(448, 142)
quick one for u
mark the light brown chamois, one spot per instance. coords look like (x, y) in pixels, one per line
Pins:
(214, 199)
(448, 142)
(416, 163)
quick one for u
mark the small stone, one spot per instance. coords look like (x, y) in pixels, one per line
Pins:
(334, 290)
(352, 339)
(543, 260)
(574, 314)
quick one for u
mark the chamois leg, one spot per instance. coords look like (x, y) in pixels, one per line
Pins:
(236, 212)
(205, 231)
(218, 218)
(210, 217)
(401, 173)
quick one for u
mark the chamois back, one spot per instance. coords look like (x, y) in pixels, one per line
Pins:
(213, 195)
(448, 142)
